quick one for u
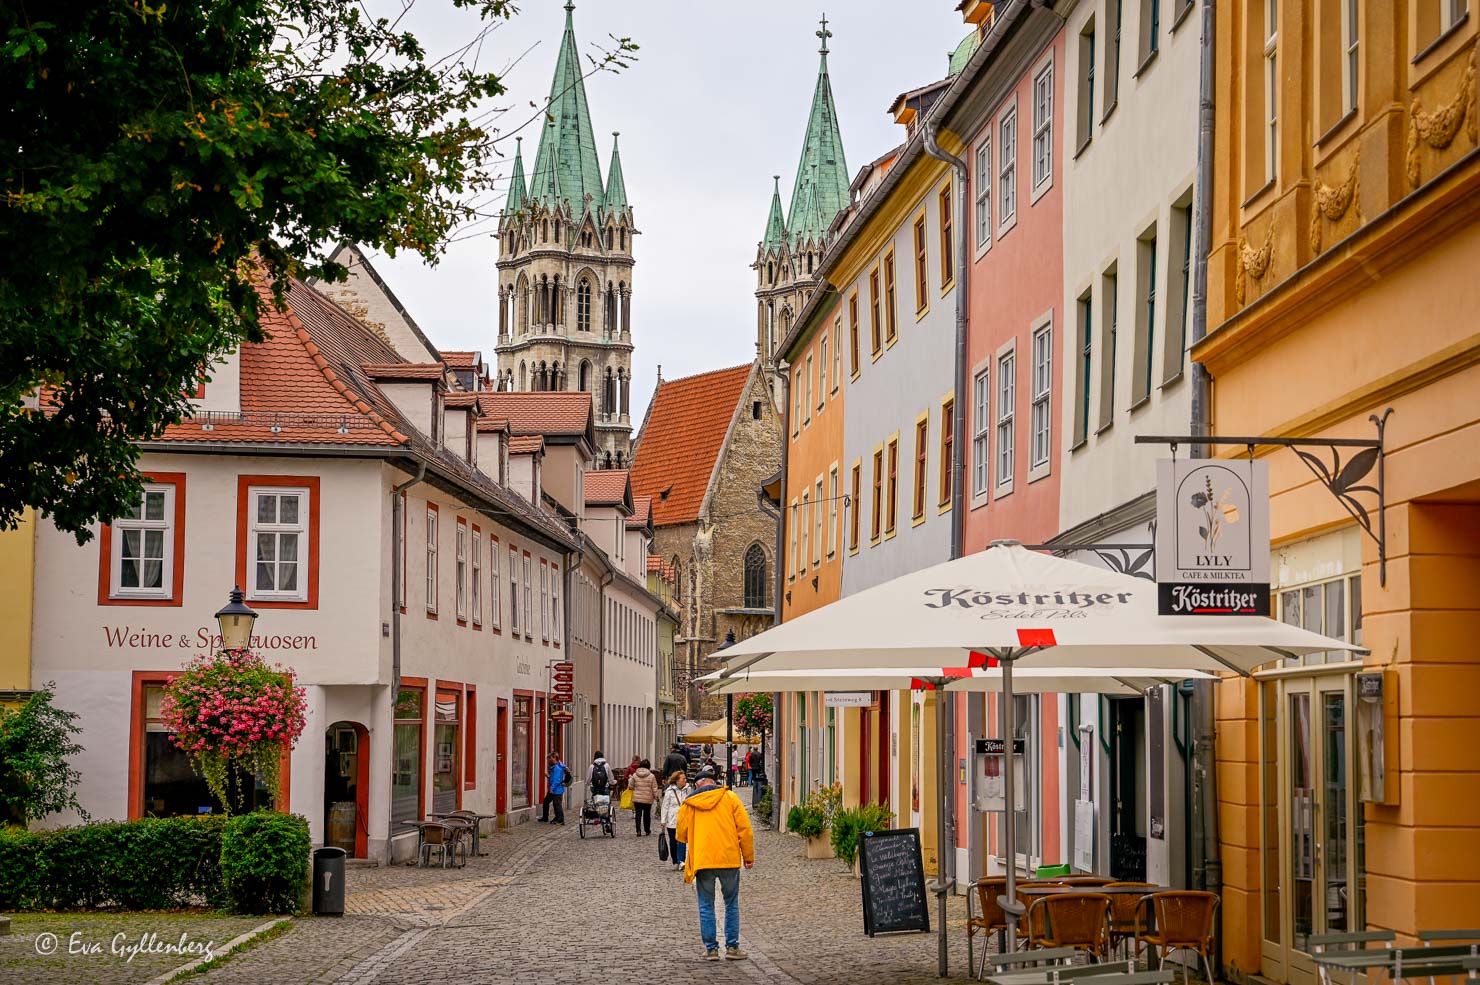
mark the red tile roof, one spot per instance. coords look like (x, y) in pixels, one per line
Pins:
(547, 412)
(526, 444)
(681, 440)
(642, 512)
(606, 487)
(460, 359)
(405, 371)
(461, 399)
(489, 424)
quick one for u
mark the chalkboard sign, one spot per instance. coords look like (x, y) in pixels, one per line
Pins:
(893, 882)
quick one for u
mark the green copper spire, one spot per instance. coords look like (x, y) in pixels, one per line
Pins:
(822, 152)
(775, 236)
(808, 224)
(616, 188)
(517, 193)
(566, 160)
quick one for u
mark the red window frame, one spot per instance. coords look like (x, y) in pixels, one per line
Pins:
(470, 737)
(177, 579)
(244, 483)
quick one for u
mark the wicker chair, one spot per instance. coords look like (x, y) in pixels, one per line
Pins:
(1123, 912)
(1185, 921)
(441, 837)
(1077, 920)
(984, 893)
(1027, 897)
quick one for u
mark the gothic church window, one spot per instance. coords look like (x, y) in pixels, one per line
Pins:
(583, 306)
(755, 577)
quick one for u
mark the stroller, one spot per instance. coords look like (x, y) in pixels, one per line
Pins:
(597, 811)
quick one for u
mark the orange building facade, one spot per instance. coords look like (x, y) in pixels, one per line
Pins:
(1342, 289)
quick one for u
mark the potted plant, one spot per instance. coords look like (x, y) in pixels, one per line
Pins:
(813, 819)
(851, 824)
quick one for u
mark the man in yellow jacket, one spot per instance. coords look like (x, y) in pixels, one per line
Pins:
(713, 824)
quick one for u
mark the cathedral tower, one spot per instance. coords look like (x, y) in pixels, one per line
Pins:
(565, 266)
(793, 243)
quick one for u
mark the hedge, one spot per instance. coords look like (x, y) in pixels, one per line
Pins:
(264, 862)
(153, 863)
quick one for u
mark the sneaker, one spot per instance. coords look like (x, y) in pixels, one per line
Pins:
(734, 954)
(711, 955)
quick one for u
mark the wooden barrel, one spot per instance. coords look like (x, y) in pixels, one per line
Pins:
(341, 828)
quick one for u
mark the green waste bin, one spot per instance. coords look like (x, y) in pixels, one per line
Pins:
(1053, 871)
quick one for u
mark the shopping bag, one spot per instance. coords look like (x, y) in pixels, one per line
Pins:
(626, 800)
(663, 846)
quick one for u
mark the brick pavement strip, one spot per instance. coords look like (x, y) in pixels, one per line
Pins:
(530, 913)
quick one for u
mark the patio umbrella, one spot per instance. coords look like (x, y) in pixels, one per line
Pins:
(1007, 606)
(715, 732)
(1030, 680)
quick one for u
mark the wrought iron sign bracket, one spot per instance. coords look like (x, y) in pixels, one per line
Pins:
(1342, 479)
(1136, 560)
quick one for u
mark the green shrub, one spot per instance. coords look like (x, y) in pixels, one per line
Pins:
(264, 862)
(148, 864)
(793, 818)
(806, 820)
(766, 805)
(849, 825)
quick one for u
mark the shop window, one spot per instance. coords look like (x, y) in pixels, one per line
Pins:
(167, 781)
(406, 782)
(1332, 608)
(519, 764)
(446, 795)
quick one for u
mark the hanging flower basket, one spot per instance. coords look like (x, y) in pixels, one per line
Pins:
(233, 709)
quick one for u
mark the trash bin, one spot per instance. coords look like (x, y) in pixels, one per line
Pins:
(328, 882)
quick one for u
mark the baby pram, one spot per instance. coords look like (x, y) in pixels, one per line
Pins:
(597, 811)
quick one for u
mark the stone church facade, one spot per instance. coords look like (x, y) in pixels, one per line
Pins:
(565, 266)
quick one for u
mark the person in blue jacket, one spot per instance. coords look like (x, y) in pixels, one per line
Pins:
(559, 777)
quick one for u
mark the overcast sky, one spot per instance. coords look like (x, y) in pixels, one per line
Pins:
(715, 104)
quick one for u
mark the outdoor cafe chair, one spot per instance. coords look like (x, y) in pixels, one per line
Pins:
(1123, 907)
(1354, 941)
(440, 836)
(1470, 936)
(1077, 920)
(983, 893)
(1184, 921)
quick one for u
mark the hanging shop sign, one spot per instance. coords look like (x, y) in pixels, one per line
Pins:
(560, 716)
(1212, 537)
(991, 775)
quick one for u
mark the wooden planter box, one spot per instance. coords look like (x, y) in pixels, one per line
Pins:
(821, 846)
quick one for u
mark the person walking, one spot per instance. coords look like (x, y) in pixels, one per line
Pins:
(644, 786)
(712, 823)
(600, 779)
(674, 795)
(675, 762)
(558, 776)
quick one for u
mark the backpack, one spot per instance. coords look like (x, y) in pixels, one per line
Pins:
(599, 782)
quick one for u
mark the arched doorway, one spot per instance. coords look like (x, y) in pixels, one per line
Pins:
(347, 787)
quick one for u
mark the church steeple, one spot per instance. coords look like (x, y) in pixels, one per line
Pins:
(822, 158)
(566, 160)
(616, 187)
(517, 192)
(775, 236)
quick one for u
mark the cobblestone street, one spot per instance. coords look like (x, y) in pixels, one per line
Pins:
(530, 912)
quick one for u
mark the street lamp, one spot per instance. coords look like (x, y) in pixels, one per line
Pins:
(729, 714)
(236, 620)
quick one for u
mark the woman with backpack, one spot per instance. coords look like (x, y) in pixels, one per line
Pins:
(674, 795)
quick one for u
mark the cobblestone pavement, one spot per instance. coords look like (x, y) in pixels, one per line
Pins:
(530, 912)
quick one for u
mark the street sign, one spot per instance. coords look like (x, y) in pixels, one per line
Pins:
(564, 667)
(560, 716)
(847, 699)
(1212, 537)
(561, 677)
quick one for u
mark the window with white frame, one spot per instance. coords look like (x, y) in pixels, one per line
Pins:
(832, 511)
(557, 615)
(837, 349)
(1042, 417)
(984, 191)
(462, 570)
(1007, 168)
(544, 601)
(143, 546)
(431, 528)
(514, 589)
(278, 533)
(1351, 42)
(1332, 608)
(1006, 395)
(796, 558)
(1043, 125)
(495, 588)
(819, 508)
(805, 526)
(822, 371)
(528, 600)
(1271, 88)
(981, 430)
(477, 546)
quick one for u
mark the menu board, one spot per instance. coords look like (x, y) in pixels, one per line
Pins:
(893, 882)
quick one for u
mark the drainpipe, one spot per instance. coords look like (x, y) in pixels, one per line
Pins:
(1208, 867)
(946, 703)
(398, 590)
(773, 775)
(606, 580)
(573, 561)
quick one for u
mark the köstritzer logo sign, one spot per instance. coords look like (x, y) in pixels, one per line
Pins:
(1212, 537)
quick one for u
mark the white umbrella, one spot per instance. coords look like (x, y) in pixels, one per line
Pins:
(1030, 680)
(1006, 606)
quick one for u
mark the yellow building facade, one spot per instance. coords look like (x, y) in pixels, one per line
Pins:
(1342, 292)
(17, 577)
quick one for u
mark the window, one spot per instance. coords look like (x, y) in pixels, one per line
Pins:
(165, 783)
(832, 511)
(1084, 309)
(1271, 88)
(981, 423)
(1351, 40)
(922, 261)
(514, 589)
(495, 589)
(544, 601)
(853, 330)
(462, 570)
(984, 192)
(1331, 608)
(410, 754)
(1179, 282)
(922, 456)
(1146, 319)
(892, 489)
(1109, 323)
(1112, 59)
(1084, 122)
(801, 399)
(819, 510)
(755, 410)
(528, 599)
(876, 324)
(477, 546)
(878, 497)
(796, 558)
(891, 310)
(806, 529)
(755, 577)
(1043, 126)
(583, 306)
(1150, 28)
(446, 765)
(1041, 441)
(947, 449)
(855, 503)
(947, 246)
(277, 532)
(142, 547)
(1006, 398)
(1007, 168)
(557, 614)
(1027, 833)
(822, 370)
(807, 404)
(837, 347)
(432, 537)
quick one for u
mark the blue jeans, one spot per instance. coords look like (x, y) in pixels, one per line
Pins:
(729, 885)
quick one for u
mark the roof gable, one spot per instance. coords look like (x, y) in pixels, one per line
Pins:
(550, 413)
(681, 440)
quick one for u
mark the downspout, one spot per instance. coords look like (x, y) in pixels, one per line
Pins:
(573, 561)
(946, 703)
(606, 580)
(784, 369)
(1208, 868)
(398, 590)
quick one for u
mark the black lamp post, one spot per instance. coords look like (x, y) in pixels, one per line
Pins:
(236, 621)
(729, 714)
